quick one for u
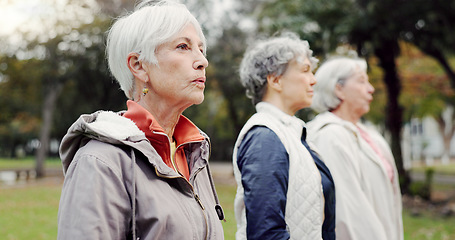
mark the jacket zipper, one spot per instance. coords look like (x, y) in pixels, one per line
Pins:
(196, 196)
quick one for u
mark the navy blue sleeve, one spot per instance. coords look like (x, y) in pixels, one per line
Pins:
(264, 164)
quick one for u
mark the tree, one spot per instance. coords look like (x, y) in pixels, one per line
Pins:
(432, 31)
(226, 107)
(75, 63)
(19, 103)
(72, 61)
(427, 92)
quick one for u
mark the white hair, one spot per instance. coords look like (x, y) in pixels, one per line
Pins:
(271, 57)
(332, 72)
(151, 24)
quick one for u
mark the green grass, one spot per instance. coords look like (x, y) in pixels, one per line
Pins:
(428, 226)
(28, 162)
(448, 169)
(31, 213)
(226, 195)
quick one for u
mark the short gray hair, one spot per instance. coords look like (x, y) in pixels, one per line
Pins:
(152, 23)
(333, 71)
(271, 57)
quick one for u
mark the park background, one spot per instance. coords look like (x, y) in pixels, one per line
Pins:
(53, 68)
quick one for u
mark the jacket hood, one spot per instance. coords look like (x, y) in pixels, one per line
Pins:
(104, 126)
(326, 118)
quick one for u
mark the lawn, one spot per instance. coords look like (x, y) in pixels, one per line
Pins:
(29, 211)
(428, 226)
(28, 162)
(448, 169)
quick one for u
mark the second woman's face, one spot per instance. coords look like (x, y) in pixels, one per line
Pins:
(357, 93)
(298, 81)
(179, 79)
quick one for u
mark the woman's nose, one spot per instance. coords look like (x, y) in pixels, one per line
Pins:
(313, 80)
(201, 62)
(371, 88)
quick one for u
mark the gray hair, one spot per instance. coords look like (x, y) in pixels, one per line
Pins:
(332, 72)
(271, 57)
(152, 23)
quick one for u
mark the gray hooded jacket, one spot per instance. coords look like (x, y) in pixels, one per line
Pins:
(118, 187)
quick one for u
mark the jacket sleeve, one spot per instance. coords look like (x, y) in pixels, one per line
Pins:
(264, 166)
(355, 216)
(94, 203)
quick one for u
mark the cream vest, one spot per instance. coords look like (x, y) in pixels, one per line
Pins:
(305, 201)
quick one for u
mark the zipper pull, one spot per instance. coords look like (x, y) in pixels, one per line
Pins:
(198, 200)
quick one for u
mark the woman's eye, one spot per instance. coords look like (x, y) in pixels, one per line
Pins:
(363, 81)
(183, 46)
(305, 68)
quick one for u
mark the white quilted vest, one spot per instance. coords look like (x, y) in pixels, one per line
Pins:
(305, 201)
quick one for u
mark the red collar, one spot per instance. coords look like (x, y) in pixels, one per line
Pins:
(185, 131)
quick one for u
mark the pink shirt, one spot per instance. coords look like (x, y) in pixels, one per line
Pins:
(373, 145)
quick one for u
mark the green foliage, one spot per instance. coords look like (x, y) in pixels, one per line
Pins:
(20, 99)
(323, 23)
(90, 87)
(420, 189)
(73, 62)
(423, 189)
(426, 89)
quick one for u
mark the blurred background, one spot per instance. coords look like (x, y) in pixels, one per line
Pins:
(53, 69)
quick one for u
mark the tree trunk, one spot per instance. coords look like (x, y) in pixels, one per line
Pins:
(394, 112)
(447, 130)
(46, 127)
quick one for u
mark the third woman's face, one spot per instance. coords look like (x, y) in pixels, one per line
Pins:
(179, 79)
(298, 81)
(357, 93)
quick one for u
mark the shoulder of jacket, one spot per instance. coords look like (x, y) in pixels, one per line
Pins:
(335, 129)
(113, 157)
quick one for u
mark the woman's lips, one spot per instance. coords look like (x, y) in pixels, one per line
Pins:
(200, 81)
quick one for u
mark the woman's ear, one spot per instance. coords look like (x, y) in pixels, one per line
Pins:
(137, 68)
(339, 92)
(274, 82)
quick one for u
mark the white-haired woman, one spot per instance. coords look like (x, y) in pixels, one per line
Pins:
(143, 173)
(284, 189)
(368, 194)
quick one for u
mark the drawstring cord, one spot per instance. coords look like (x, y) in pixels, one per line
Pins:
(133, 156)
(218, 208)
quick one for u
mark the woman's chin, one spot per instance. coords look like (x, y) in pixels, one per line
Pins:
(199, 100)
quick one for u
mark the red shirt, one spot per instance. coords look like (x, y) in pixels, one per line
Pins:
(185, 131)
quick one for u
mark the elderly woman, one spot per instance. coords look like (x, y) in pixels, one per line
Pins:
(284, 190)
(143, 173)
(368, 195)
